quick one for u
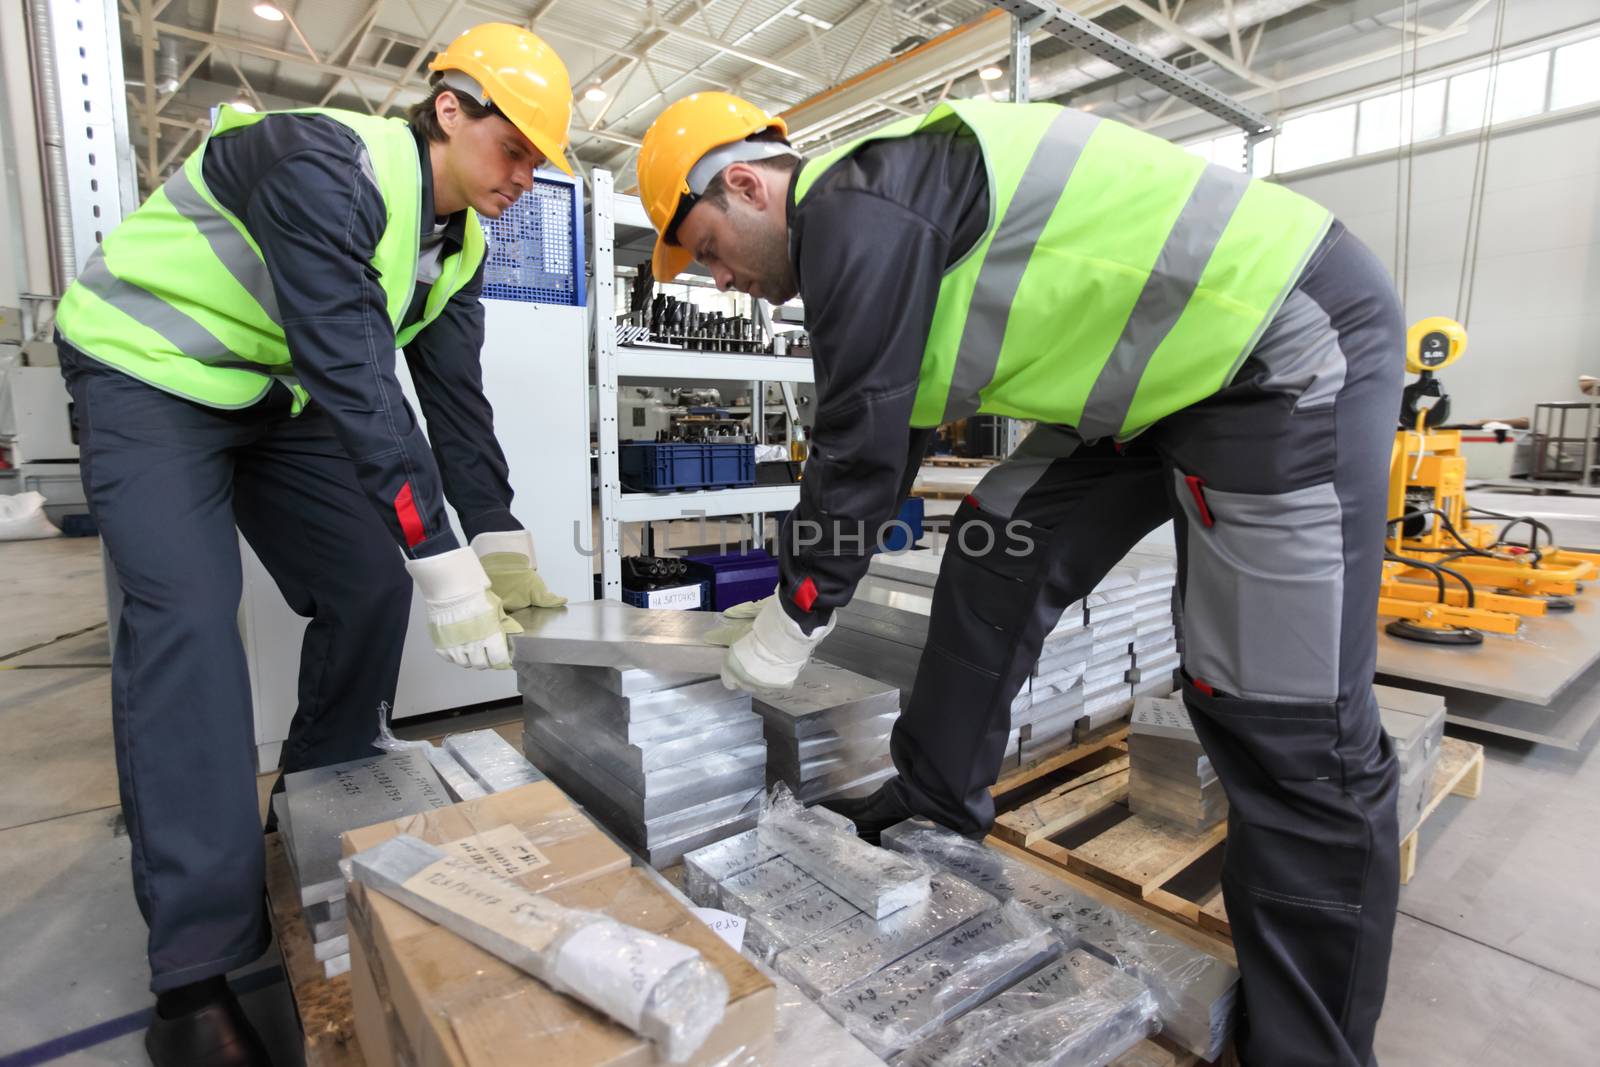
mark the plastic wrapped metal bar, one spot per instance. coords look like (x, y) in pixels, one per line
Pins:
(875, 880)
(1194, 991)
(908, 1000)
(493, 762)
(1080, 1012)
(862, 945)
(795, 921)
(659, 989)
(705, 867)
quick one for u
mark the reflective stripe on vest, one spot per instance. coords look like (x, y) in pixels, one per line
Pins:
(1119, 279)
(180, 296)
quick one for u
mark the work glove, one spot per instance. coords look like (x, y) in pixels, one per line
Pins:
(748, 610)
(773, 651)
(508, 559)
(465, 618)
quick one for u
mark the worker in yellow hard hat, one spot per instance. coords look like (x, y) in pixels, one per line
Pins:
(1194, 347)
(231, 351)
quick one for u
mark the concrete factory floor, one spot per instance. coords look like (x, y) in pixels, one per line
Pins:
(1497, 952)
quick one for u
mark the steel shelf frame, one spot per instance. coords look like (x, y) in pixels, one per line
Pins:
(610, 211)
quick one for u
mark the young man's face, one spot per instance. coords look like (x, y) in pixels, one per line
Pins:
(489, 161)
(746, 244)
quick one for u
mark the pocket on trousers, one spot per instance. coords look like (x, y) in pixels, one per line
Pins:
(1264, 593)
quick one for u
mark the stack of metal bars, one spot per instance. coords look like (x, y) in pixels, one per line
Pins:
(317, 806)
(893, 975)
(1415, 724)
(1120, 642)
(1195, 992)
(1170, 777)
(668, 761)
(829, 735)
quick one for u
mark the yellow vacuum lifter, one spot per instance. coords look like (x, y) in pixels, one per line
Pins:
(1447, 579)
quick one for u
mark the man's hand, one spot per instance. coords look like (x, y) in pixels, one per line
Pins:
(773, 652)
(508, 560)
(465, 619)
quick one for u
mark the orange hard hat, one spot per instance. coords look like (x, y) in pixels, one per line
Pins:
(680, 137)
(522, 77)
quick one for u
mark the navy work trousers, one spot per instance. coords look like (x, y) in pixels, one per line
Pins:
(1277, 486)
(171, 484)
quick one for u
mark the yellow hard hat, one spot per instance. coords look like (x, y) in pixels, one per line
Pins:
(1434, 343)
(680, 137)
(522, 77)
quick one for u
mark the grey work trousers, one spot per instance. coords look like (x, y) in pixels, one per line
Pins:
(171, 485)
(1277, 486)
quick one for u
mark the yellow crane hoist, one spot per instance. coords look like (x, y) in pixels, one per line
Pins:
(1446, 579)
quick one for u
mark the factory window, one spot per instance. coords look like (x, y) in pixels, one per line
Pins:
(1568, 76)
(1320, 137)
(1577, 75)
(1394, 119)
(1519, 90)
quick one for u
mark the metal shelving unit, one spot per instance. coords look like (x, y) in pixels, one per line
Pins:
(614, 213)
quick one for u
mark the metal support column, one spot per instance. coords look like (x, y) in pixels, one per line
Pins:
(603, 293)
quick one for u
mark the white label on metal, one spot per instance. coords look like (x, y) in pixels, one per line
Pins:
(728, 927)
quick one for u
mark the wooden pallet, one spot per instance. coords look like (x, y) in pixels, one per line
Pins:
(1459, 773)
(957, 461)
(323, 1004)
(1041, 769)
(1079, 821)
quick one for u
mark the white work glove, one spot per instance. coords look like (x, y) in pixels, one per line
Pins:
(513, 571)
(772, 653)
(465, 619)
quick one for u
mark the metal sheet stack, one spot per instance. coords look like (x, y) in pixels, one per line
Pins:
(1120, 642)
(316, 806)
(667, 761)
(1170, 777)
(829, 735)
(1415, 724)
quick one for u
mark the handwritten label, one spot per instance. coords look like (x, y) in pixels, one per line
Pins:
(484, 899)
(504, 850)
(728, 927)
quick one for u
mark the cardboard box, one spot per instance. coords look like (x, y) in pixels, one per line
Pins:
(425, 998)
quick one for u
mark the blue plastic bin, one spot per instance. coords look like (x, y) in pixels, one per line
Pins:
(657, 465)
(735, 577)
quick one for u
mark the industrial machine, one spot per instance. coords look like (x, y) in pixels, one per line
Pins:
(1446, 579)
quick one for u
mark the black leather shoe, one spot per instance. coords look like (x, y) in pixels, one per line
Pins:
(217, 1035)
(873, 813)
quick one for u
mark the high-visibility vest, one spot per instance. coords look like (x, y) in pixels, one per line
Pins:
(1120, 278)
(179, 295)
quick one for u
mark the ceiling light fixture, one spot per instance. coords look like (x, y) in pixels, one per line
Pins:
(809, 20)
(991, 73)
(270, 12)
(243, 106)
(595, 93)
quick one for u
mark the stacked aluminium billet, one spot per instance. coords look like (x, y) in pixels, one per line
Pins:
(886, 948)
(828, 736)
(1415, 724)
(1194, 992)
(1170, 777)
(668, 761)
(1118, 643)
(316, 806)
